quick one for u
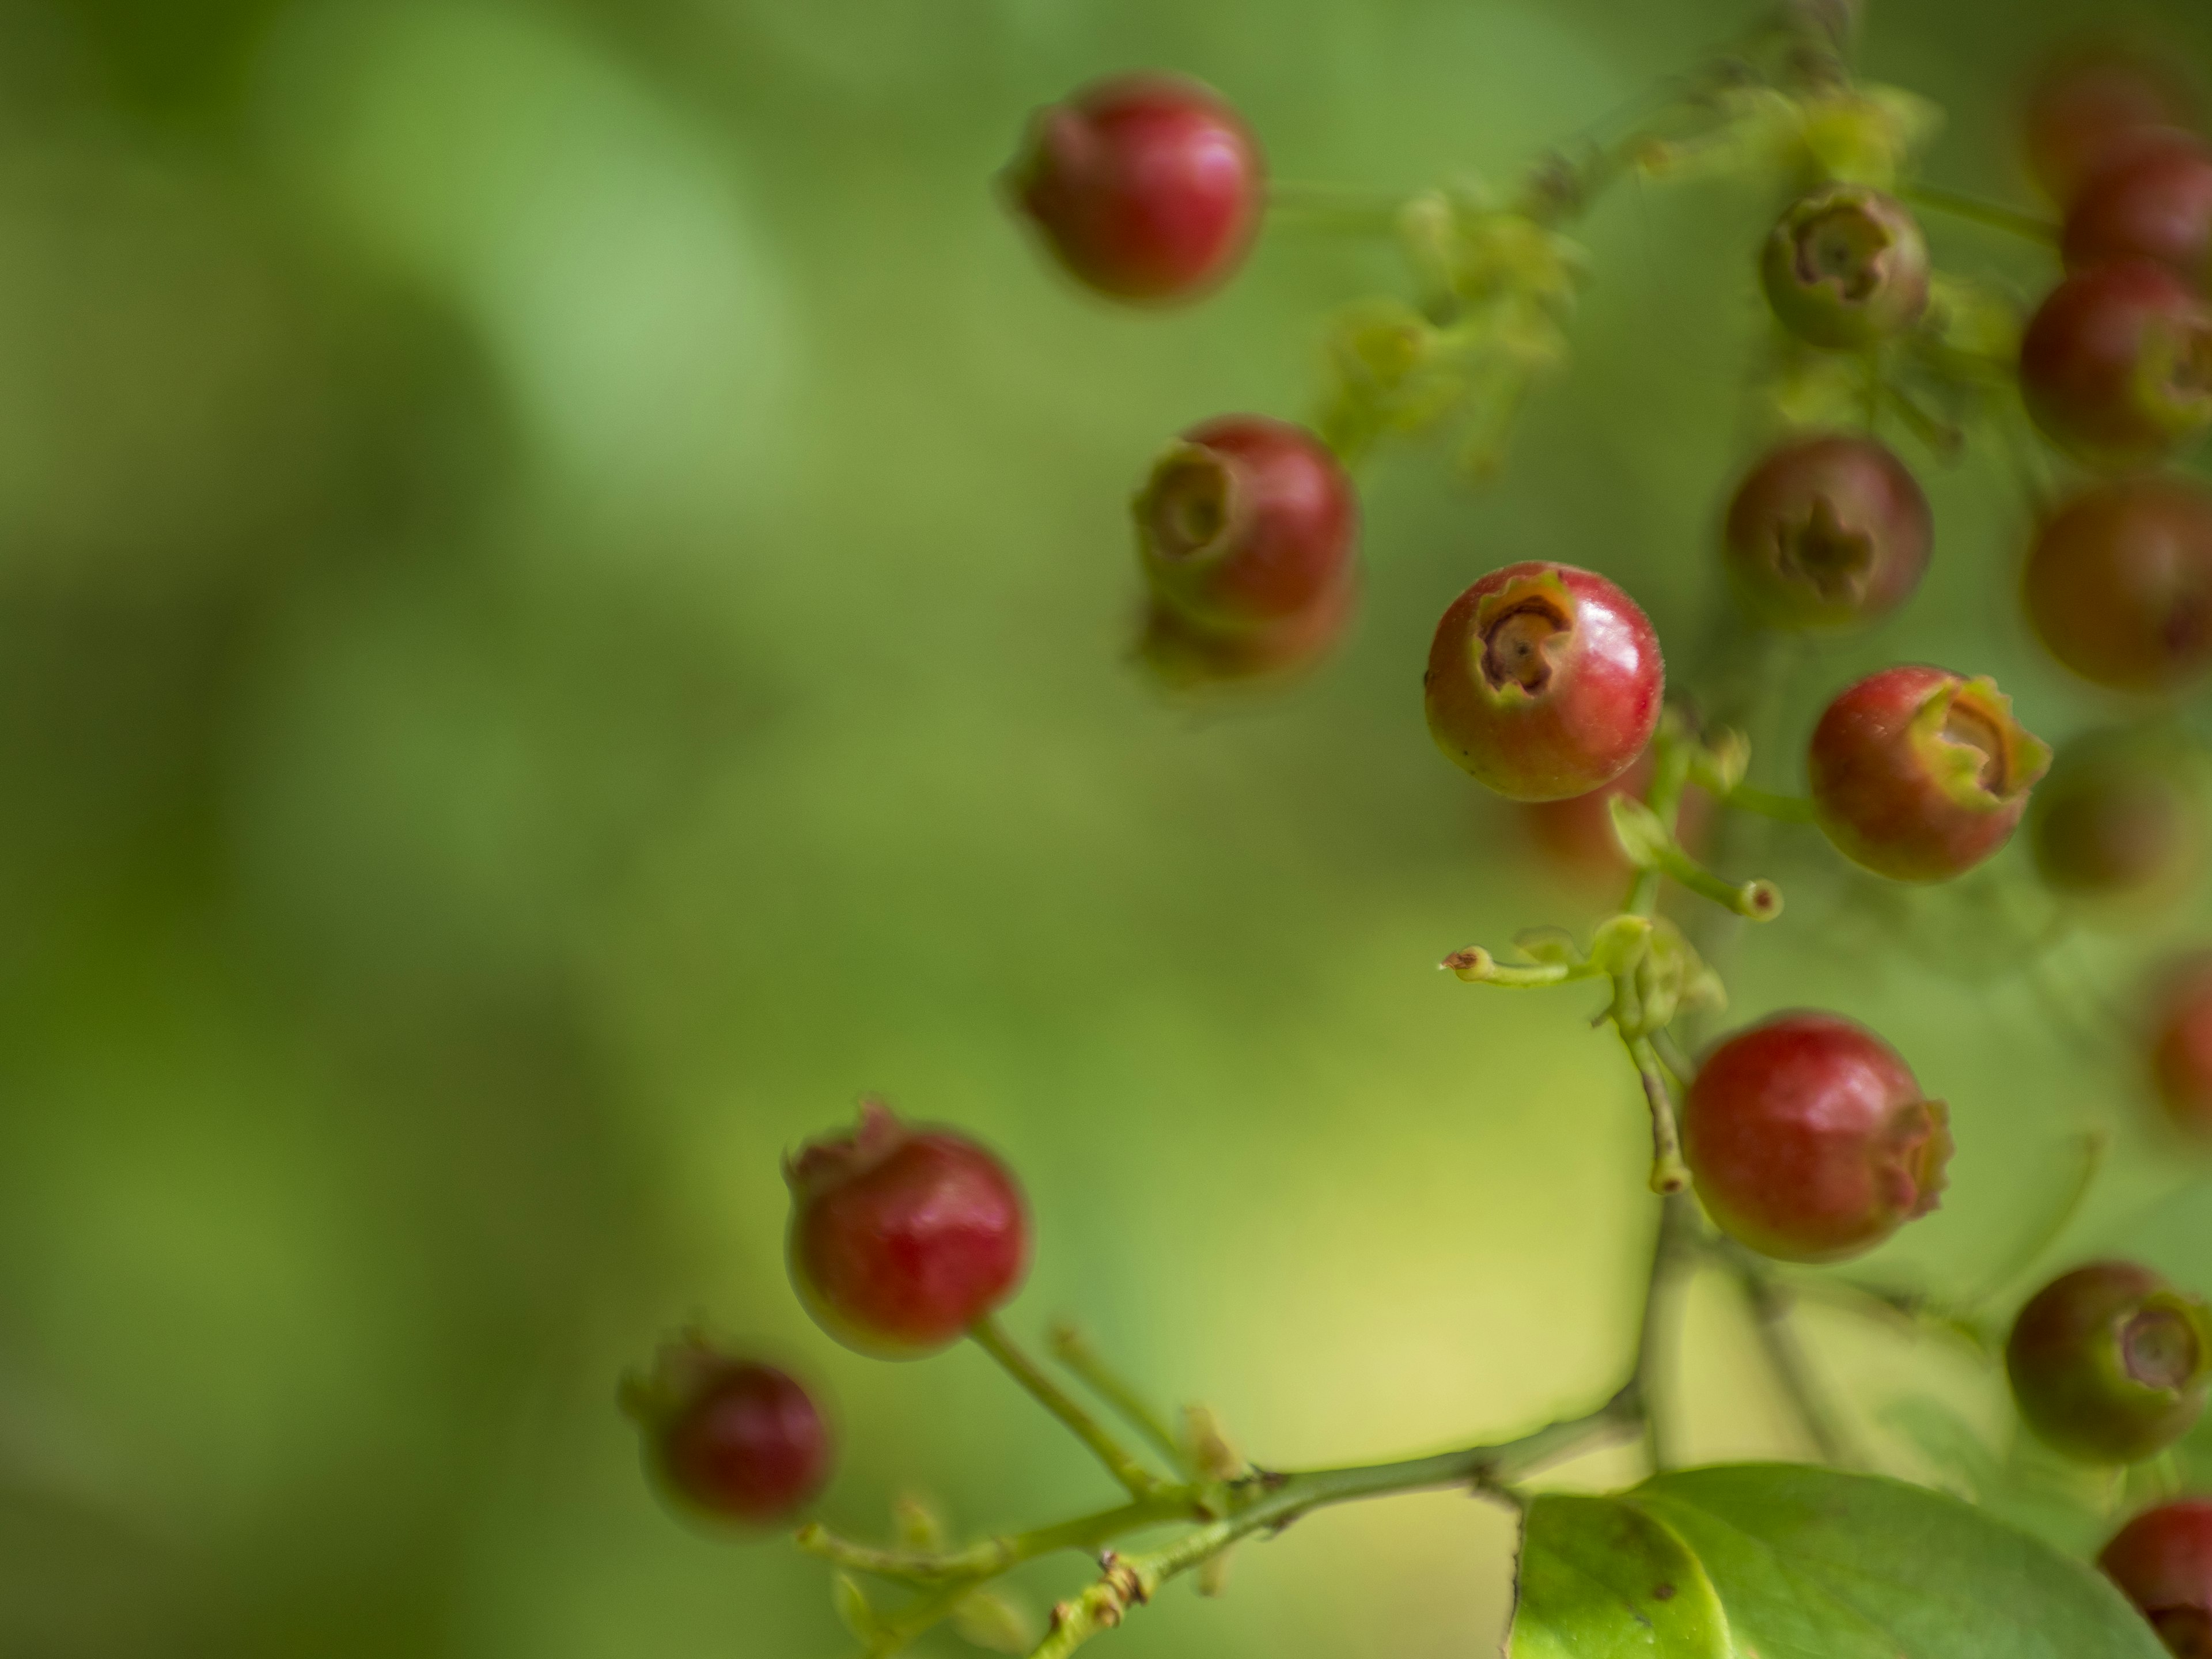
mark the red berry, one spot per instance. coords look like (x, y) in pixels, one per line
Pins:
(2181, 1055)
(1544, 681)
(903, 1235)
(1575, 835)
(2119, 584)
(1919, 774)
(1845, 267)
(1827, 531)
(2109, 1363)
(1247, 526)
(1810, 1141)
(2116, 365)
(729, 1437)
(2092, 99)
(2162, 1562)
(2151, 200)
(2120, 819)
(1146, 187)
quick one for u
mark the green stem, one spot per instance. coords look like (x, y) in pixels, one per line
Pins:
(1672, 1252)
(1670, 776)
(1770, 1305)
(1757, 900)
(991, 1336)
(1992, 214)
(1073, 1351)
(1788, 808)
(1669, 1174)
(993, 1556)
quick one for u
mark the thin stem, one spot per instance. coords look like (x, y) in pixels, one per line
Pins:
(1069, 1347)
(1787, 809)
(1757, 900)
(1770, 1305)
(1669, 1174)
(1992, 214)
(991, 1336)
(993, 1556)
(1670, 776)
(1657, 1328)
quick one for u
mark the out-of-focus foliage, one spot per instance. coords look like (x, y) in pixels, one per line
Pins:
(564, 600)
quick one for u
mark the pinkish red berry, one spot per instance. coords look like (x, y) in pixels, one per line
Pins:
(2116, 365)
(1248, 526)
(2119, 584)
(729, 1437)
(1810, 1141)
(2109, 1363)
(1544, 681)
(2151, 200)
(2181, 1055)
(903, 1235)
(1845, 267)
(1919, 774)
(1827, 532)
(2093, 98)
(2162, 1562)
(1147, 187)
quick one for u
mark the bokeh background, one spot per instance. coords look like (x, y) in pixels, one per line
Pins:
(564, 593)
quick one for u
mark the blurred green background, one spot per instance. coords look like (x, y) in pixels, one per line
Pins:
(564, 597)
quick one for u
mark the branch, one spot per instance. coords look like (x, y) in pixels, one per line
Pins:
(991, 1336)
(1073, 1351)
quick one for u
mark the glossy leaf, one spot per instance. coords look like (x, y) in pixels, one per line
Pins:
(1601, 1580)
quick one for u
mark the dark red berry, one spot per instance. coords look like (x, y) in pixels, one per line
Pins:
(1845, 267)
(2181, 1053)
(1146, 187)
(1544, 681)
(903, 1235)
(2119, 584)
(2162, 1562)
(1827, 532)
(2116, 363)
(2109, 1363)
(2092, 99)
(1247, 526)
(1810, 1141)
(1919, 774)
(1576, 834)
(732, 1438)
(2120, 820)
(2151, 200)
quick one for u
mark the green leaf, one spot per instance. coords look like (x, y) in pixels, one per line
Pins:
(1599, 1580)
(1786, 1562)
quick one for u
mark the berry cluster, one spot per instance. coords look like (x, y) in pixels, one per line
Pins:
(1805, 1137)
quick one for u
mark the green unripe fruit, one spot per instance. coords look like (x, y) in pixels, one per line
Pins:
(2109, 1364)
(1845, 268)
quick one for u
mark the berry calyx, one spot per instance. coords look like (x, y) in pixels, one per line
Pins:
(2120, 820)
(728, 1437)
(1147, 187)
(1544, 681)
(2151, 200)
(1247, 527)
(1845, 267)
(2162, 1562)
(1827, 532)
(903, 1235)
(1809, 1140)
(2091, 100)
(2116, 365)
(2181, 1051)
(2119, 584)
(2109, 1364)
(1919, 774)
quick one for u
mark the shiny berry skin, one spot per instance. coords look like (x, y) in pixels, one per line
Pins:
(1845, 267)
(2181, 1051)
(2152, 201)
(1544, 681)
(2162, 1562)
(2109, 1363)
(2116, 365)
(2121, 819)
(903, 1235)
(1919, 774)
(1247, 526)
(2119, 584)
(1147, 187)
(2090, 101)
(1810, 1141)
(730, 1438)
(1827, 532)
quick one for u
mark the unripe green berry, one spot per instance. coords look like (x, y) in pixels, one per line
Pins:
(1845, 267)
(2109, 1364)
